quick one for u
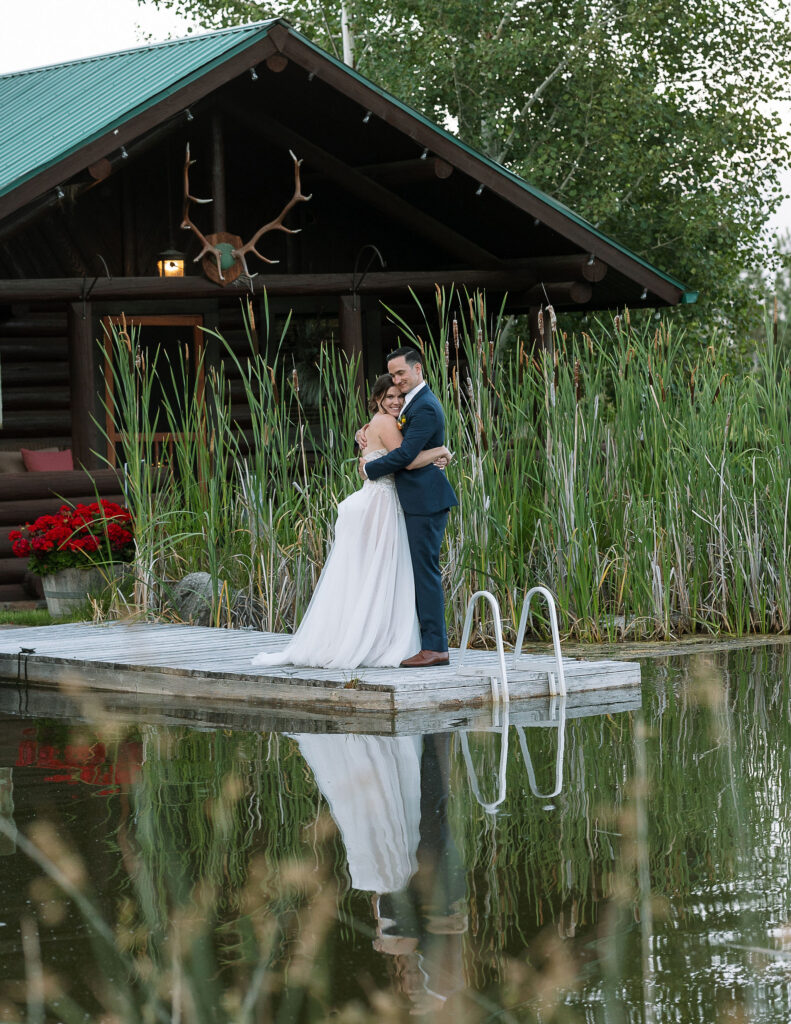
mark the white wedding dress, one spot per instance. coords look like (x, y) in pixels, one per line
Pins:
(363, 608)
(372, 786)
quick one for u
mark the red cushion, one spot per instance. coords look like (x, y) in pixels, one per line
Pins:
(47, 462)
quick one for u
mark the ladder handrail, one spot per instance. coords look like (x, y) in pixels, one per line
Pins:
(472, 775)
(531, 778)
(553, 621)
(498, 634)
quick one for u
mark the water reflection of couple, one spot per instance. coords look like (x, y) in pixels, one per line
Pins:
(389, 796)
(380, 593)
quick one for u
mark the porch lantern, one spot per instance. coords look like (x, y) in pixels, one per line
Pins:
(171, 263)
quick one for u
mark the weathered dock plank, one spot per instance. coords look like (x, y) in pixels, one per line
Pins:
(24, 701)
(193, 662)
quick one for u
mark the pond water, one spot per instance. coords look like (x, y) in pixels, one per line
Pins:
(596, 865)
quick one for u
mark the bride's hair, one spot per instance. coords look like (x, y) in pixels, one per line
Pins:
(380, 388)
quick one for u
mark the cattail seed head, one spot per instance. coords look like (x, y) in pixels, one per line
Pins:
(275, 392)
(482, 435)
(455, 333)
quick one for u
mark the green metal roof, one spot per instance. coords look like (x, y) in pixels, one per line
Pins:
(50, 112)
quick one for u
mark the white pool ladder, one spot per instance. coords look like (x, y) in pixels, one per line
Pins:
(557, 717)
(556, 679)
(557, 713)
(501, 727)
(498, 636)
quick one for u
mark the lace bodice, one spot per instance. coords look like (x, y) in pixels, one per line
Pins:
(383, 481)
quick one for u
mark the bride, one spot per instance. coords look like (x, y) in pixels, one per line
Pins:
(363, 608)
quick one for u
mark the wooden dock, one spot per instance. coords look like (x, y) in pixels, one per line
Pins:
(213, 665)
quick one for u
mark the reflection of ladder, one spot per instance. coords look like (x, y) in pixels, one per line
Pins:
(557, 717)
(557, 679)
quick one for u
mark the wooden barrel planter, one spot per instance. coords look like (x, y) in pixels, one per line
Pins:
(67, 590)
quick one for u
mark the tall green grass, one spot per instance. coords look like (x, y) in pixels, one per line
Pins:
(646, 485)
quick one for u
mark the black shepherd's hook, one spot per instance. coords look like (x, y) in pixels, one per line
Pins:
(357, 281)
(86, 293)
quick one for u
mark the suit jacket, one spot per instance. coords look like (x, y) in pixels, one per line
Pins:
(421, 491)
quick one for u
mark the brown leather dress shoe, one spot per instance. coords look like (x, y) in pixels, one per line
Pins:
(426, 659)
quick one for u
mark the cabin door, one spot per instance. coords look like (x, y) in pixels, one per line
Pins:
(174, 346)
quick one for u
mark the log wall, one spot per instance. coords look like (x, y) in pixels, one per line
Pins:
(34, 368)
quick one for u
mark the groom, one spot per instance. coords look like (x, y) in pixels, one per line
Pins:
(425, 496)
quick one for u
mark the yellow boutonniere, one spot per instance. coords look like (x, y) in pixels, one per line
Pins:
(400, 422)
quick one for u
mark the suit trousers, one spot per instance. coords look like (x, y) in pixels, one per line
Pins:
(425, 533)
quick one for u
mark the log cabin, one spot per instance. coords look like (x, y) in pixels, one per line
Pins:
(100, 163)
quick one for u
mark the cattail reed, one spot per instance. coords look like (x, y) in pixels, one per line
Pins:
(482, 435)
(631, 505)
(275, 392)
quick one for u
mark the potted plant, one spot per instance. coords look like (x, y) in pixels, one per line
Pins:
(76, 550)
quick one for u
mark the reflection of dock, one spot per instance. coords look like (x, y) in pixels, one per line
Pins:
(207, 665)
(20, 700)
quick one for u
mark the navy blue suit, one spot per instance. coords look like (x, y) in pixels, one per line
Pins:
(425, 496)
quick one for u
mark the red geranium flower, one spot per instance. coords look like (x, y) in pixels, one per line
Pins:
(76, 537)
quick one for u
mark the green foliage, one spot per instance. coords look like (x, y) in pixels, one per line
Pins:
(649, 488)
(653, 120)
(25, 617)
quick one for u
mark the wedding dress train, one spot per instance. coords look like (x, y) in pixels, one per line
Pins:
(363, 608)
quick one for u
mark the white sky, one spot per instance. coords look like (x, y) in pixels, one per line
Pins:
(36, 32)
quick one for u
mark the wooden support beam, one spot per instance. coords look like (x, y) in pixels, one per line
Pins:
(560, 293)
(351, 330)
(402, 172)
(565, 268)
(217, 176)
(277, 63)
(82, 382)
(352, 180)
(375, 283)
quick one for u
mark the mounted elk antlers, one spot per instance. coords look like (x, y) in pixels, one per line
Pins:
(229, 252)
